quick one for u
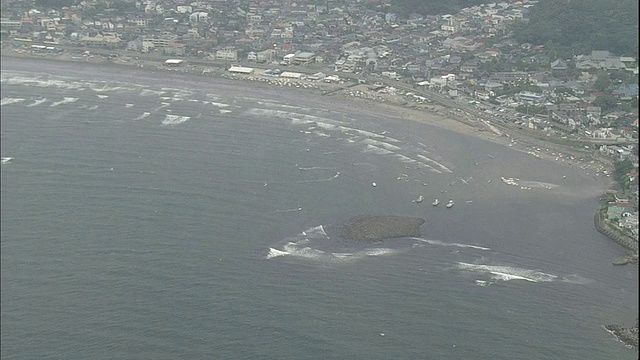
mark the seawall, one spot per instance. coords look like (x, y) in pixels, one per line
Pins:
(626, 241)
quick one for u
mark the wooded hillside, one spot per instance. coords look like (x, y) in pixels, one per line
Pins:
(583, 25)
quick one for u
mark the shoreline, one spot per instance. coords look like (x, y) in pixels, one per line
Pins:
(394, 106)
(442, 117)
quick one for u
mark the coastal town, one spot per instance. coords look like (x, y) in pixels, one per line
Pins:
(466, 61)
(464, 65)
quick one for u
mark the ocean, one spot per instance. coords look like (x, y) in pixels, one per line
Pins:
(158, 215)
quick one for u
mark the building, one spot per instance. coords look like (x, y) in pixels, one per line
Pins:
(199, 17)
(227, 54)
(173, 62)
(303, 58)
(530, 97)
(287, 59)
(101, 40)
(291, 75)
(241, 70)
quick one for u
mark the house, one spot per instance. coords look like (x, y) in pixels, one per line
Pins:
(626, 93)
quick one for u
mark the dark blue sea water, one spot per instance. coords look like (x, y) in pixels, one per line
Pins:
(156, 216)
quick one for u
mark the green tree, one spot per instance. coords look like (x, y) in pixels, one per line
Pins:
(621, 171)
(607, 102)
(603, 81)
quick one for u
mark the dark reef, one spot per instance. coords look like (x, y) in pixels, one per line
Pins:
(378, 228)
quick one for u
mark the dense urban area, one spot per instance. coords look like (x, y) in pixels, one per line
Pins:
(468, 62)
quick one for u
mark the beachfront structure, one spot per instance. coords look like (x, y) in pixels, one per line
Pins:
(241, 70)
(174, 62)
(291, 75)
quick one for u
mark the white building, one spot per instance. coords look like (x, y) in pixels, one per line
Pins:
(199, 17)
(291, 75)
(241, 70)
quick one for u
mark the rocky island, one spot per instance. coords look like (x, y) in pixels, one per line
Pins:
(628, 336)
(378, 228)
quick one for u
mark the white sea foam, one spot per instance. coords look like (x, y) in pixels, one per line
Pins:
(172, 120)
(311, 243)
(316, 168)
(275, 253)
(326, 126)
(128, 105)
(320, 133)
(5, 160)
(433, 162)
(289, 210)
(144, 115)
(102, 96)
(148, 92)
(539, 184)
(66, 100)
(295, 117)
(379, 251)
(7, 101)
(105, 88)
(296, 121)
(94, 107)
(376, 150)
(38, 102)
(405, 159)
(506, 273)
(381, 144)
(318, 230)
(361, 132)
(12, 79)
(441, 243)
(223, 111)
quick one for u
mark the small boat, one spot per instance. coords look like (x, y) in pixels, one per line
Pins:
(419, 199)
(449, 204)
(436, 202)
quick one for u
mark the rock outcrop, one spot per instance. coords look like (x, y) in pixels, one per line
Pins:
(378, 228)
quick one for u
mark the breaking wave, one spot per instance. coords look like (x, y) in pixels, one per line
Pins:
(144, 115)
(371, 142)
(441, 243)
(38, 102)
(172, 120)
(315, 245)
(66, 100)
(7, 101)
(508, 273)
